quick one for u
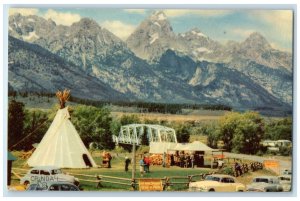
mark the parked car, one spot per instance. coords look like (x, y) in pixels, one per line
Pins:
(286, 182)
(265, 184)
(52, 186)
(288, 172)
(47, 174)
(218, 183)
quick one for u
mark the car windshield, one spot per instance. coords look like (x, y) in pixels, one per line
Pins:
(261, 180)
(212, 178)
(56, 171)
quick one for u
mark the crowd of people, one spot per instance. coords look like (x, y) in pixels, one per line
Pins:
(187, 160)
(191, 160)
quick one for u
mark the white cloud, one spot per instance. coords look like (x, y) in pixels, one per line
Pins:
(137, 11)
(203, 13)
(278, 47)
(23, 11)
(120, 29)
(280, 20)
(62, 18)
(280, 26)
(244, 33)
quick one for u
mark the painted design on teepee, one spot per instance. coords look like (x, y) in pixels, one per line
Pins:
(62, 146)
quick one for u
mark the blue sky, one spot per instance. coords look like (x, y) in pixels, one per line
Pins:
(221, 25)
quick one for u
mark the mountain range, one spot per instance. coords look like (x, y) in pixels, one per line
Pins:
(153, 65)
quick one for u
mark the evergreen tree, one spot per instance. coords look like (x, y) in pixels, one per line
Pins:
(16, 116)
(183, 133)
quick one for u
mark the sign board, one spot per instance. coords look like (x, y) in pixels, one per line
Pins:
(221, 156)
(150, 185)
(271, 164)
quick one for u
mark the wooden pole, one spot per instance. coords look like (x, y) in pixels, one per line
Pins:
(211, 162)
(133, 161)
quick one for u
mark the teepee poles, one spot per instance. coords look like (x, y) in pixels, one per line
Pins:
(63, 97)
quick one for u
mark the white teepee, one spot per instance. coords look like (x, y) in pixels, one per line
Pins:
(61, 146)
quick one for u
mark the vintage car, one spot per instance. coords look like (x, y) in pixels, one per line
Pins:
(218, 183)
(286, 182)
(287, 171)
(53, 186)
(45, 174)
(265, 184)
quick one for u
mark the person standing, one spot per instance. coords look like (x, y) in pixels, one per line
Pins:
(220, 163)
(164, 160)
(109, 159)
(147, 164)
(181, 160)
(172, 160)
(142, 164)
(127, 162)
(192, 160)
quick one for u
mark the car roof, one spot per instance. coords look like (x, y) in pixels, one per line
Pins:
(285, 175)
(221, 175)
(266, 177)
(56, 182)
(45, 168)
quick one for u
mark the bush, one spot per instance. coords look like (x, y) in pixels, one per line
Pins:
(143, 149)
(285, 151)
(227, 170)
(119, 149)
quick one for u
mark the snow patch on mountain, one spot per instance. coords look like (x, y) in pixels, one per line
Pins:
(199, 34)
(31, 36)
(31, 20)
(156, 23)
(202, 49)
(154, 37)
(196, 78)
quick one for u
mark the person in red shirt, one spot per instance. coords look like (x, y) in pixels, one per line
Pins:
(147, 164)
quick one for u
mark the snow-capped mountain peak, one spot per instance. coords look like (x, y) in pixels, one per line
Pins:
(158, 16)
(196, 32)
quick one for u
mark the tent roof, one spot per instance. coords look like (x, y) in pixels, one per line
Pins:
(194, 146)
(161, 147)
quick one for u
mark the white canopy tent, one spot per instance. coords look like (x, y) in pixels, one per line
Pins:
(194, 146)
(61, 146)
(161, 147)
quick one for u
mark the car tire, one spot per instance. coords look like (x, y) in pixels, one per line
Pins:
(240, 191)
(211, 190)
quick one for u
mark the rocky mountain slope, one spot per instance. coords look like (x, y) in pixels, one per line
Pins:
(34, 69)
(154, 64)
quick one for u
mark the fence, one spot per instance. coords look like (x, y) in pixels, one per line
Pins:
(167, 182)
(133, 183)
(100, 179)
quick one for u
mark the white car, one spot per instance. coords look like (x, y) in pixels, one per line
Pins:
(218, 183)
(53, 186)
(286, 182)
(265, 184)
(46, 174)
